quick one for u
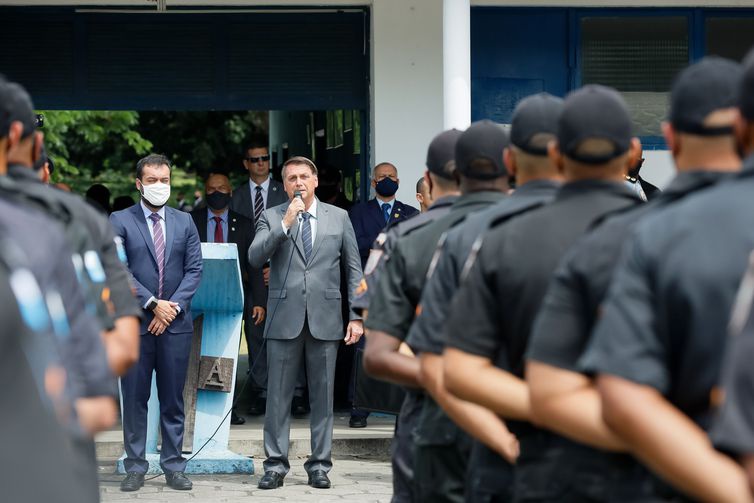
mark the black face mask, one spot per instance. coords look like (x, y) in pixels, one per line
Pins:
(218, 200)
(326, 192)
(386, 187)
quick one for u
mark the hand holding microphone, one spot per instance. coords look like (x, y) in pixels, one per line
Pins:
(295, 209)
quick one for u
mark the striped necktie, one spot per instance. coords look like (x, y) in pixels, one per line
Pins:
(306, 235)
(258, 204)
(159, 249)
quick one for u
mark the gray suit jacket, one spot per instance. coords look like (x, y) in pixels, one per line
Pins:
(311, 291)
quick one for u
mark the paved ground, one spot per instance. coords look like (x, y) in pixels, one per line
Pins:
(363, 480)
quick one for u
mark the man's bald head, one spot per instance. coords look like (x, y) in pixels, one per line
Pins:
(217, 182)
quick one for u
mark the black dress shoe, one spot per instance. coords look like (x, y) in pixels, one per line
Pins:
(178, 481)
(299, 407)
(236, 419)
(357, 422)
(270, 480)
(318, 479)
(258, 407)
(132, 482)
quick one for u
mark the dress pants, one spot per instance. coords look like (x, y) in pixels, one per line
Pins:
(284, 358)
(258, 358)
(168, 355)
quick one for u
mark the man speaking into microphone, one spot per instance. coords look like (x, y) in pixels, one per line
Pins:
(307, 242)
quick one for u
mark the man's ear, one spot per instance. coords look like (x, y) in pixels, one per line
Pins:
(14, 134)
(509, 158)
(634, 153)
(553, 152)
(672, 140)
(44, 174)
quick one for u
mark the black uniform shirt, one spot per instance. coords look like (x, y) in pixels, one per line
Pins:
(494, 308)
(565, 322)
(49, 259)
(668, 306)
(427, 334)
(94, 233)
(383, 247)
(733, 427)
(393, 306)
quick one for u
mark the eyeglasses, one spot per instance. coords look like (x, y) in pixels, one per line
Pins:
(261, 158)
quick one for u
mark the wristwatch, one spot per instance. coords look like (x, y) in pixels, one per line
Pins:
(152, 304)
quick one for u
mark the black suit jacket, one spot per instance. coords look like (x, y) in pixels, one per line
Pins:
(240, 232)
(368, 221)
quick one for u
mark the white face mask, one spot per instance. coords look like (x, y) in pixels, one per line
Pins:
(156, 194)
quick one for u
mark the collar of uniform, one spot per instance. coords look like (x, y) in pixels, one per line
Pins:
(748, 167)
(22, 173)
(688, 181)
(581, 187)
(536, 186)
(477, 197)
(444, 201)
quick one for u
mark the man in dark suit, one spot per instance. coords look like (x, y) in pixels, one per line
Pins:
(307, 242)
(218, 224)
(371, 217)
(250, 200)
(165, 259)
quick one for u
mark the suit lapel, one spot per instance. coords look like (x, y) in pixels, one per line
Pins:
(201, 225)
(294, 231)
(323, 220)
(274, 197)
(170, 222)
(376, 211)
(141, 224)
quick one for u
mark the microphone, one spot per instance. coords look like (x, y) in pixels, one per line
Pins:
(300, 213)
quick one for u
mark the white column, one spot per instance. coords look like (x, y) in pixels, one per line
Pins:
(407, 86)
(456, 45)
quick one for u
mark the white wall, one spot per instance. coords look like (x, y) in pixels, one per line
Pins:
(407, 86)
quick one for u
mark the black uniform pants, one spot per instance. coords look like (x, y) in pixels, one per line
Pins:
(402, 448)
(489, 478)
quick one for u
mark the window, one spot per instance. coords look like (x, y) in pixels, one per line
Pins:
(639, 56)
(729, 37)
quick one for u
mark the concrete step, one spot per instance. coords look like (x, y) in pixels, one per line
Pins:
(247, 439)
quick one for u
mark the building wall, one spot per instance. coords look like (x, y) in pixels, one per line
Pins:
(407, 86)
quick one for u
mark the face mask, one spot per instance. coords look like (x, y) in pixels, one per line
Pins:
(386, 187)
(326, 192)
(218, 200)
(156, 194)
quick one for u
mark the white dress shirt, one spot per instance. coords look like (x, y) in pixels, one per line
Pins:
(265, 190)
(312, 221)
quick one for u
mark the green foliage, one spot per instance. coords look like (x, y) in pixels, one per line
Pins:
(91, 147)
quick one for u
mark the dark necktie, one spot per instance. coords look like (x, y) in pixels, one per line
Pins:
(386, 212)
(306, 235)
(159, 249)
(258, 204)
(218, 230)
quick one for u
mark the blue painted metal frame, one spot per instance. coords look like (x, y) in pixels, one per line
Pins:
(696, 17)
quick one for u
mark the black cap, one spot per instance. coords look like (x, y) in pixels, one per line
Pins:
(706, 86)
(483, 140)
(746, 87)
(441, 151)
(533, 116)
(15, 105)
(592, 112)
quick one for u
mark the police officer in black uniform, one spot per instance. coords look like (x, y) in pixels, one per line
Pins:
(492, 313)
(533, 126)
(659, 343)
(102, 279)
(35, 445)
(562, 398)
(733, 429)
(439, 472)
(383, 357)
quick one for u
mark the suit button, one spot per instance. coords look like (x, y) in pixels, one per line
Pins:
(303, 291)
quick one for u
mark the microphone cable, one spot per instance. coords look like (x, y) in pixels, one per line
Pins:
(239, 393)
